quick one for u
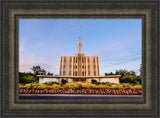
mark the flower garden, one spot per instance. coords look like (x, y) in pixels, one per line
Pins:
(81, 88)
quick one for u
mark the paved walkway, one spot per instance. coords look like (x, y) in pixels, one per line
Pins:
(91, 95)
(78, 95)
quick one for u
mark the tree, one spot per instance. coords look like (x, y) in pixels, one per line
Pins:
(49, 73)
(141, 69)
(124, 72)
(109, 73)
(43, 72)
(127, 76)
(27, 78)
(36, 70)
(32, 77)
(131, 73)
(121, 72)
(133, 79)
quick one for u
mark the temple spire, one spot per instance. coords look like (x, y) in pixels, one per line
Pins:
(79, 44)
(79, 34)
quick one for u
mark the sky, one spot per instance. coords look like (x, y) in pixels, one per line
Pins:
(117, 42)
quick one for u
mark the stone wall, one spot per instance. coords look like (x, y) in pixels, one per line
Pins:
(70, 80)
(43, 80)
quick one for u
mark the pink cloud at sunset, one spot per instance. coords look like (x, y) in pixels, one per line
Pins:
(24, 65)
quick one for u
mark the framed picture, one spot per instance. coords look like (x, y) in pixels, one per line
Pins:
(14, 103)
(80, 75)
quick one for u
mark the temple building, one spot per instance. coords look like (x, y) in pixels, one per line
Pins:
(79, 68)
(79, 65)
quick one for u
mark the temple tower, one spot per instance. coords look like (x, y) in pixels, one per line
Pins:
(79, 65)
(79, 44)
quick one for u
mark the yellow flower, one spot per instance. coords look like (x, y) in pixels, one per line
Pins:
(21, 87)
(120, 87)
(108, 87)
(138, 87)
(35, 87)
(56, 87)
(114, 87)
(85, 86)
(102, 86)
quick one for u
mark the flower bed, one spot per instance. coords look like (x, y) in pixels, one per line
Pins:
(79, 86)
(82, 91)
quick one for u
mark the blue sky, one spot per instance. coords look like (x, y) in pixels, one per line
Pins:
(117, 42)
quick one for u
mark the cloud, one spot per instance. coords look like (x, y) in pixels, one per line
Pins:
(112, 64)
(44, 66)
(24, 65)
(124, 60)
(120, 61)
(114, 47)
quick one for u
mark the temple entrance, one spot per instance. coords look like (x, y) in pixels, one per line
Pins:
(82, 80)
(63, 81)
(94, 81)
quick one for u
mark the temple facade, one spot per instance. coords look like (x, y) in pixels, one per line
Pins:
(79, 68)
(79, 65)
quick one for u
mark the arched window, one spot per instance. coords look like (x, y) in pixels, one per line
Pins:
(94, 81)
(63, 81)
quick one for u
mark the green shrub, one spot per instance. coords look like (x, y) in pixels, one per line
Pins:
(97, 83)
(27, 78)
(132, 79)
(103, 83)
(51, 83)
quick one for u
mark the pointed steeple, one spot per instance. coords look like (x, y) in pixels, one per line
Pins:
(79, 34)
(79, 44)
